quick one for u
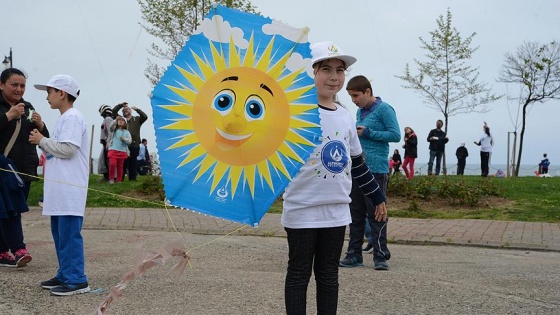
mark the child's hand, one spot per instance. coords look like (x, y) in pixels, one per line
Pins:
(35, 137)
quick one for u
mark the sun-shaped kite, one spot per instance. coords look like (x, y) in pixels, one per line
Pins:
(235, 115)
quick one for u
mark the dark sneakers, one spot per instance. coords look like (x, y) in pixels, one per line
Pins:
(6, 260)
(52, 283)
(70, 289)
(368, 249)
(351, 260)
(380, 264)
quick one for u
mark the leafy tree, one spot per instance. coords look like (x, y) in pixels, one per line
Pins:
(536, 68)
(445, 81)
(173, 21)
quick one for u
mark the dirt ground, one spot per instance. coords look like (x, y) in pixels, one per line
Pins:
(240, 275)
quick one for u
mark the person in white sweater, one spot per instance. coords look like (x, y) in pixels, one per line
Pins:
(486, 142)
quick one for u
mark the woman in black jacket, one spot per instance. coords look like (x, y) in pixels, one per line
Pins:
(397, 161)
(410, 152)
(14, 111)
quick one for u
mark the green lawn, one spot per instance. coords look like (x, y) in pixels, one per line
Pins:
(512, 199)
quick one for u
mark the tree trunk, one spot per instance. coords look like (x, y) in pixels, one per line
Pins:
(520, 152)
(444, 162)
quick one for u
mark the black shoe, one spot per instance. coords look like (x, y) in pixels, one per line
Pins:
(70, 289)
(351, 260)
(52, 283)
(380, 264)
(368, 249)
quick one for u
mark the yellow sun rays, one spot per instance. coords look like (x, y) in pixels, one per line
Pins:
(217, 169)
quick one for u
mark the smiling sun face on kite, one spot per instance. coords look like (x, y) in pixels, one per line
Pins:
(242, 116)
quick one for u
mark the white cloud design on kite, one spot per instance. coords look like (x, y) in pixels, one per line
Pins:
(218, 30)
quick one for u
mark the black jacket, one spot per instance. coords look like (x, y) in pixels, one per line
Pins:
(411, 146)
(23, 153)
(439, 144)
(462, 153)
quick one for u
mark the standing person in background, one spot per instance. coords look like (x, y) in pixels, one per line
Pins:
(17, 119)
(543, 165)
(377, 125)
(66, 185)
(134, 124)
(397, 161)
(315, 209)
(437, 139)
(462, 153)
(486, 142)
(103, 161)
(143, 159)
(119, 139)
(410, 152)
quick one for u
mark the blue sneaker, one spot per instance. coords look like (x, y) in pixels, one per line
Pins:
(351, 260)
(380, 264)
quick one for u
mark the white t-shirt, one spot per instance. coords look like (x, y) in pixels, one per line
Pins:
(486, 143)
(66, 180)
(319, 194)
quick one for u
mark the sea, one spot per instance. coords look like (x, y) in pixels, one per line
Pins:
(474, 169)
(421, 168)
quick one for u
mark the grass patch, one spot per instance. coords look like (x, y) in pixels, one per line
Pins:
(529, 199)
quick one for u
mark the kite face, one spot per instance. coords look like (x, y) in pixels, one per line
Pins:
(238, 118)
(235, 115)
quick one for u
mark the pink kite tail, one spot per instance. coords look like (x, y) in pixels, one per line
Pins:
(158, 257)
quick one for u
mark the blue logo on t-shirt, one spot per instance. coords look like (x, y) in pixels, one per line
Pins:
(334, 156)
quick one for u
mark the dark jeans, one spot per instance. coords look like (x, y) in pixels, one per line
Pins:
(130, 163)
(437, 155)
(106, 174)
(484, 163)
(11, 232)
(461, 166)
(360, 208)
(318, 250)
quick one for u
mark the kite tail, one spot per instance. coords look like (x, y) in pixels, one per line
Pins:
(158, 257)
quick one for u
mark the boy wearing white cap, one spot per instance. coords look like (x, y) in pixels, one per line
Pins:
(316, 203)
(66, 182)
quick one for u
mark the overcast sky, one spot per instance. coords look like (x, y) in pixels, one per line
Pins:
(102, 45)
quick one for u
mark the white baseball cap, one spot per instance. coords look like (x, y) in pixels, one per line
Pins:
(329, 50)
(61, 82)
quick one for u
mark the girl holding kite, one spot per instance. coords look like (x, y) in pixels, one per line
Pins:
(316, 203)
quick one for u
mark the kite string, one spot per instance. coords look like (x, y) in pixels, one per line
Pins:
(95, 51)
(166, 208)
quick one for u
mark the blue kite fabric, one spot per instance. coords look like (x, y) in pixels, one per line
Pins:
(235, 115)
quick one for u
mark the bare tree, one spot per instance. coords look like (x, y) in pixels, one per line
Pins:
(445, 81)
(536, 68)
(173, 21)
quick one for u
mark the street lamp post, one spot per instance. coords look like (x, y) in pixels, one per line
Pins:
(8, 60)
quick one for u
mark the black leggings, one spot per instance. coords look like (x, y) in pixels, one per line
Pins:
(318, 250)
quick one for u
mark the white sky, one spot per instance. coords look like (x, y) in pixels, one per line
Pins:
(102, 45)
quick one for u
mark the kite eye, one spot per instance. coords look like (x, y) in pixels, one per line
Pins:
(223, 101)
(254, 108)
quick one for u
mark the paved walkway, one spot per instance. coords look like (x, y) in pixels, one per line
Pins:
(487, 233)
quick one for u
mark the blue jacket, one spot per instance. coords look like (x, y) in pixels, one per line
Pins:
(12, 197)
(381, 127)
